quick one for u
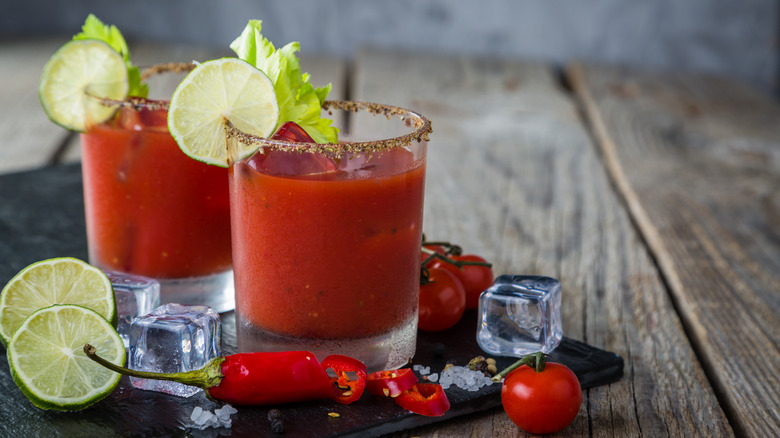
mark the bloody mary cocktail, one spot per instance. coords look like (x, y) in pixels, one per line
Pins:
(326, 244)
(153, 211)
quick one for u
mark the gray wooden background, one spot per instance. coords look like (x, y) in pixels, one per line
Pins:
(733, 38)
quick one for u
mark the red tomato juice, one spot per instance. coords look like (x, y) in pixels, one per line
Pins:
(150, 209)
(329, 255)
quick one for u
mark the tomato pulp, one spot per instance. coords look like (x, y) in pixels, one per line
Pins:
(329, 255)
(150, 209)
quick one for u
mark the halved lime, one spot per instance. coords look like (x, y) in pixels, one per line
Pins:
(47, 360)
(63, 280)
(219, 90)
(81, 67)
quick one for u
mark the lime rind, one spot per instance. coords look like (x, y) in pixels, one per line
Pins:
(227, 89)
(47, 360)
(77, 68)
(63, 280)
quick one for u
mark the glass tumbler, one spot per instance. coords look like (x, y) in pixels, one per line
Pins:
(326, 237)
(151, 210)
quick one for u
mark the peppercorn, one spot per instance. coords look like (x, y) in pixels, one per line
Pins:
(485, 366)
(276, 422)
(277, 426)
(274, 414)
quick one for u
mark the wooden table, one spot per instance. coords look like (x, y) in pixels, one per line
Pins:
(653, 197)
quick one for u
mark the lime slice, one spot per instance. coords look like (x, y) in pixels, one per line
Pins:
(62, 280)
(216, 91)
(79, 67)
(47, 360)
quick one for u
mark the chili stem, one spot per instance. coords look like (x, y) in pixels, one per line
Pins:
(207, 377)
(537, 361)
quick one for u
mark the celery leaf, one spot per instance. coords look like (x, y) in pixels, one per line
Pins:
(298, 100)
(94, 29)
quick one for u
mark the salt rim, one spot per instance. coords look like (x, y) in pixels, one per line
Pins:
(420, 124)
(139, 103)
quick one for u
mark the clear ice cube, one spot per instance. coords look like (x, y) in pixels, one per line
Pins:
(135, 296)
(280, 162)
(173, 338)
(520, 314)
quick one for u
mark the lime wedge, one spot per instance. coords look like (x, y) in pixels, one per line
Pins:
(79, 67)
(47, 360)
(219, 90)
(62, 280)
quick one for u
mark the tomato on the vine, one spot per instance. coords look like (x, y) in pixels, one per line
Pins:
(474, 278)
(437, 248)
(442, 301)
(541, 401)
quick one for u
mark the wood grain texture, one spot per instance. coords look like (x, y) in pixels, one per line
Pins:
(28, 138)
(697, 160)
(513, 175)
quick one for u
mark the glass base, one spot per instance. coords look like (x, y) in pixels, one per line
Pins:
(387, 351)
(215, 291)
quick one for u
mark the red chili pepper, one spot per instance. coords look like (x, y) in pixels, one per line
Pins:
(255, 378)
(271, 378)
(345, 388)
(426, 399)
(390, 382)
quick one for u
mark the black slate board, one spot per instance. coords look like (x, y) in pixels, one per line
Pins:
(41, 216)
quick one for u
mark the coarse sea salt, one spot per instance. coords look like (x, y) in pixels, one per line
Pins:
(463, 378)
(422, 369)
(204, 418)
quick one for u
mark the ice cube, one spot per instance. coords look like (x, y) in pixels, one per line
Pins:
(173, 338)
(142, 118)
(279, 162)
(135, 296)
(520, 314)
(291, 131)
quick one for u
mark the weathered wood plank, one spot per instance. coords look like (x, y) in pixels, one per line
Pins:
(513, 175)
(323, 70)
(27, 138)
(697, 160)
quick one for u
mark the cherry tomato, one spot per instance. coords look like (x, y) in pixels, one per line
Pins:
(474, 278)
(541, 402)
(442, 301)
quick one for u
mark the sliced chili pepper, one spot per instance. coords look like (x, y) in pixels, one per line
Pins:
(426, 399)
(390, 382)
(250, 378)
(345, 388)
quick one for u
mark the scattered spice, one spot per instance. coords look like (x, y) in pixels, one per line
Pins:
(485, 366)
(276, 422)
(277, 426)
(274, 414)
